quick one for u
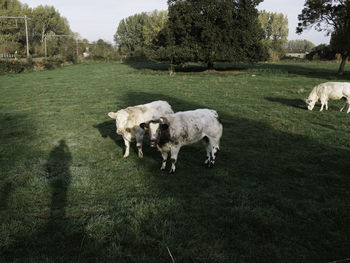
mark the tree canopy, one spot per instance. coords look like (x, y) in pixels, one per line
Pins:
(275, 26)
(43, 20)
(208, 31)
(299, 45)
(332, 16)
(136, 33)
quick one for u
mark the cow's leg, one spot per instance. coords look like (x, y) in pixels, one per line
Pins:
(213, 150)
(139, 138)
(346, 102)
(323, 101)
(174, 151)
(127, 149)
(326, 104)
(207, 147)
(165, 157)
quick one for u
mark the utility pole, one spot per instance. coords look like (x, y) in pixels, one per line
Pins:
(26, 27)
(26, 24)
(45, 46)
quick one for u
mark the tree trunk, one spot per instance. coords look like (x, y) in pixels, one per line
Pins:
(344, 57)
(210, 65)
(172, 69)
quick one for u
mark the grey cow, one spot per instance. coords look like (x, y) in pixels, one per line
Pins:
(171, 132)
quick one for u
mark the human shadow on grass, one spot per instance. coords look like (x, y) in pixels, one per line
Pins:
(266, 197)
(59, 239)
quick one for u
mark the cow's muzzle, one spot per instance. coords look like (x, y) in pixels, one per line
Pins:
(153, 143)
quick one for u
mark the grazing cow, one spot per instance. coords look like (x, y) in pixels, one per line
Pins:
(129, 119)
(173, 131)
(329, 91)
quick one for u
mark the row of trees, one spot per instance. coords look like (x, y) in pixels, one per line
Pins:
(210, 30)
(136, 34)
(44, 22)
(198, 31)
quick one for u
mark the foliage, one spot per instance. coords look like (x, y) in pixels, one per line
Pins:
(18, 66)
(137, 33)
(210, 31)
(275, 26)
(44, 20)
(101, 50)
(332, 16)
(299, 46)
(279, 191)
(321, 52)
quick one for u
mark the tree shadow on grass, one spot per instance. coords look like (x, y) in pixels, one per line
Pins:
(272, 195)
(300, 104)
(15, 131)
(301, 69)
(152, 65)
(296, 103)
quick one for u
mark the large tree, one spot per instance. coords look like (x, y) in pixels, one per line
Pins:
(137, 32)
(332, 16)
(211, 30)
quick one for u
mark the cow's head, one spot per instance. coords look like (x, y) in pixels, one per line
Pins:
(310, 103)
(156, 128)
(121, 118)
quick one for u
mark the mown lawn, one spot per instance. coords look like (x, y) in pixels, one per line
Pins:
(279, 191)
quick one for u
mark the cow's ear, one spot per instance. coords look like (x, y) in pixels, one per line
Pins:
(144, 126)
(164, 126)
(113, 115)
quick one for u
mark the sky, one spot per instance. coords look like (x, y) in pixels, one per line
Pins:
(95, 20)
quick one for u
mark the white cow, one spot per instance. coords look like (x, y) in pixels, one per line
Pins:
(129, 119)
(173, 131)
(329, 91)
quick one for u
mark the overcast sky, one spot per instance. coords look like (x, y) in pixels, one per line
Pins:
(95, 20)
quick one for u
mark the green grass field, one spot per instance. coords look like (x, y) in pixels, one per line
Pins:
(279, 191)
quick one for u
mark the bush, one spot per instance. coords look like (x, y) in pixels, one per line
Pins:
(321, 52)
(52, 62)
(18, 66)
(12, 66)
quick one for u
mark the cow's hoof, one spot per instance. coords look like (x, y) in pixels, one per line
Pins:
(162, 169)
(171, 171)
(210, 164)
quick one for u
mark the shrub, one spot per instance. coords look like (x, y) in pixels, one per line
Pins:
(11, 66)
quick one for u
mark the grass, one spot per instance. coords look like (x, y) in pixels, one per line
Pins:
(279, 191)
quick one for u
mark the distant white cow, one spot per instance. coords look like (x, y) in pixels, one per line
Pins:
(329, 91)
(129, 119)
(171, 132)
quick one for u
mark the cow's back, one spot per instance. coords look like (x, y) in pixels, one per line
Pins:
(146, 112)
(334, 90)
(191, 126)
